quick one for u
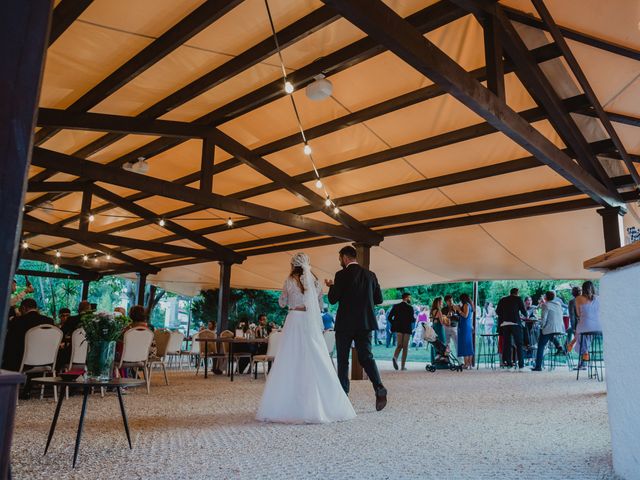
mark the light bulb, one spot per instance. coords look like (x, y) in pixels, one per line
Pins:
(162, 223)
(92, 217)
(327, 202)
(336, 210)
(25, 244)
(95, 259)
(85, 258)
(58, 254)
(307, 149)
(108, 257)
(318, 183)
(55, 266)
(230, 222)
(288, 87)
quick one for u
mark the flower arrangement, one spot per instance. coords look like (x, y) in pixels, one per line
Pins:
(103, 326)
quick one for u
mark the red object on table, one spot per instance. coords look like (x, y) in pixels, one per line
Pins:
(565, 320)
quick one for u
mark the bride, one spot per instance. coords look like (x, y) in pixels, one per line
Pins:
(302, 386)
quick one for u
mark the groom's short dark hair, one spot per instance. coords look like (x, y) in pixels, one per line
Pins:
(348, 251)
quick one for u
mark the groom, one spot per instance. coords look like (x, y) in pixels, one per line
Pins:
(357, 290)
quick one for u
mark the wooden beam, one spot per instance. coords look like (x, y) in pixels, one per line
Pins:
(206, 164)
(85, 210)
(102, 122)
(24, 30)
(71, 264)
(493, 56)
(383, 24)
(222, 252)
(192, 24)
(64, 15)
(586, 86)
(103, 173)
(56, 186)
(141, 287)
(612, 227)
(41, 273)
(224, 295)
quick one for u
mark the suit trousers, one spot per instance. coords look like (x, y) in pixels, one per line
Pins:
(362, 340)
(510, 332)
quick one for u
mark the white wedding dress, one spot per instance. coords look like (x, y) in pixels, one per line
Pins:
(303, 386)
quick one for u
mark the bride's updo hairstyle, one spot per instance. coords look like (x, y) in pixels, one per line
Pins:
(297, 262)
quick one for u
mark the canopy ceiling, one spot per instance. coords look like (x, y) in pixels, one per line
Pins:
(403, 159)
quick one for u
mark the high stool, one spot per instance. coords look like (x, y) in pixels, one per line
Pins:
(487, 350)
(592, 341)
(552, 357)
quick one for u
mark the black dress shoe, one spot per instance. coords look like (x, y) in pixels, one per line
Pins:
(536, 369)
(395, 363)
(217, 371)
(381, 398)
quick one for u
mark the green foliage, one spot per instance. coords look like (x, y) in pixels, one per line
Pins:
(103, 326)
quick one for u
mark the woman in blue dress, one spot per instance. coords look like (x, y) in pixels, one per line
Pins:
(465, 331)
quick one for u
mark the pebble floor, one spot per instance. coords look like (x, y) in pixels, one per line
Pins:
(442, 425)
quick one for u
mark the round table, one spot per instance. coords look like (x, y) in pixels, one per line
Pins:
(86, 386)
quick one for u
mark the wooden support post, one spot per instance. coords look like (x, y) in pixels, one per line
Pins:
(24, 33)
(363, 252)
(206, 167)
(475, 317)
(493, 57)
(85, 290)
(612, 227)
(224, 294)
(85, 211)
(142, 286)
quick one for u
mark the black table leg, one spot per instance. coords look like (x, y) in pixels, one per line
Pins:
(85, 395)
(231, 359)
(124, 415)
(54, 421)
(206, 357)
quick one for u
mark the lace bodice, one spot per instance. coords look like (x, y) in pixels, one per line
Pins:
(292, 297)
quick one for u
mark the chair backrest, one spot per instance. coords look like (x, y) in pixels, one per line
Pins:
(162, 338)
(274, 340)
(136, 344)
(79, 347)
(41, 346)
(330, 340)
(226, 334)
(175, 343)
(211, 347)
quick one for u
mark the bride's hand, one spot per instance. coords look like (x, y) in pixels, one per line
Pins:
(328, 282)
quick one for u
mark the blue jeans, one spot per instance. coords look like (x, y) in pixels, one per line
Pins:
(542, 343)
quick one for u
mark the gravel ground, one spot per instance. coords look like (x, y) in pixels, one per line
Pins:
(444, 425)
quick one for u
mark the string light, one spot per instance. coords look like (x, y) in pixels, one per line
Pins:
(58, 254)
(327, 202)
(307, 149)
(336, 210)
(56, 266)
(288, 87)
(162, 223)
(229, 222)
(85, 257)
(95, 259)
(91, 217)
(25, 244)
(108, 257)
(319, 184)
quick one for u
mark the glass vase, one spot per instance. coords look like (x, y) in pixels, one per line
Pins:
(100, 357)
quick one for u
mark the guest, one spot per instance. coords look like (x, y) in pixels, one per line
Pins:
(264, 327)
(138, 316)
(450, 321)
(16, 298)
(327, 319)
(381, 319)
(73, 322)
(465, 331)
(211, 326)
(587, 308)
(573, 314)
(120, 311)
(510, 311)
(63, 315)
(488, 318)
(14, 345)
(401, 319)
(530, 332)
(436, 321)
(551, 325)
(390, 336)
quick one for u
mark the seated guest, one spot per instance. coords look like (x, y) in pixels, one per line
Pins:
(551, 325)
(211, 326)
(63, 315)
(14, 346)
(327, 319)
(264, 327)
(120, 310)
(73, 322)
(138, 316)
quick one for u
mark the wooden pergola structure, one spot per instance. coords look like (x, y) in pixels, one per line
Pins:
(489, 79)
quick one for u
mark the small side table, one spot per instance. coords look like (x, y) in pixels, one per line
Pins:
(86, 386)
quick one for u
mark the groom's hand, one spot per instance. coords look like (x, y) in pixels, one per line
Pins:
(328, 283)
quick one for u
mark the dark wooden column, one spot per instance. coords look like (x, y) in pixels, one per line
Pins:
(206, 167)
(612, 227)
(24, 33)
(224, 294)
(85, 290)
(142, 285)
(363, 252)
(475, 319)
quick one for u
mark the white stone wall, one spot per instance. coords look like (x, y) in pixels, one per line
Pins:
(620, 316)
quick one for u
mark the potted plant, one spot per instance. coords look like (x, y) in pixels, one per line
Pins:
(102, 329)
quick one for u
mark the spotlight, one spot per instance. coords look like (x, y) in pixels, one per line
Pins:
(58, 254)
(162, 223)
(91, 217)
(229, 222)
(288, 87)
(318, 184)
(25, 244)
(307, 149)
(327, 202)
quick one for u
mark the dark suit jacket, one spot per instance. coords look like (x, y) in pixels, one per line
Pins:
(509, 309)
(14, 345)
(357, 290)
(70, 325)
(401, 318)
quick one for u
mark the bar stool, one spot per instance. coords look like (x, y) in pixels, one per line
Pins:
(551, 357)
(487, 350)
(592, 343)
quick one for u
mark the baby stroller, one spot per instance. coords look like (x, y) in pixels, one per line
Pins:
(444, 358)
